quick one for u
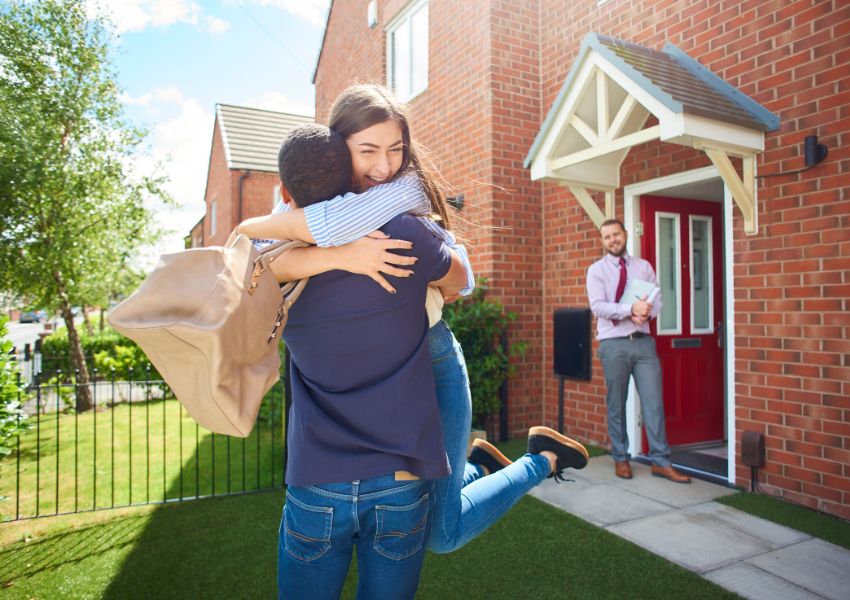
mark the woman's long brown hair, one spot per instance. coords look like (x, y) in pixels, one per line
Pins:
(361, 106)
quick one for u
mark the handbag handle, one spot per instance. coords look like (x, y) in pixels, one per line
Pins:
(289, 291)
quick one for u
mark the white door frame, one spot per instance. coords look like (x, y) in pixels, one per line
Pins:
(631, 213)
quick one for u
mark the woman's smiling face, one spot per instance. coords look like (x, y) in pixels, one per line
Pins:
(376, 154)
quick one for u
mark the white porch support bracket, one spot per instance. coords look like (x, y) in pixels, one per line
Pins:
(627, 141)
(743, 190)
(584, 198)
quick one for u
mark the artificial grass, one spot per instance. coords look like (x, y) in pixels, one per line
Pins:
(226, 548)
(803, 519)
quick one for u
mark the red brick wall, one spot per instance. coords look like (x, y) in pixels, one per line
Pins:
(352, 53)
(257, 193)
(792, 287)
(223, 187)
(218, 189)
(495, 69)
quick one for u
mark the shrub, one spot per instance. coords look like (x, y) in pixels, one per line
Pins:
(13, 419)
(479, 323)
(106, 349)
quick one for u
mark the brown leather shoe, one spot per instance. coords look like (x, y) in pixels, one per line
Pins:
(670, 473)
(623, 469)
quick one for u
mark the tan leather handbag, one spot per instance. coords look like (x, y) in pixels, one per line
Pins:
(210, 319)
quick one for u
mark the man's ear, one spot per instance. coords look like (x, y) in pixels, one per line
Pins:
(286, 196)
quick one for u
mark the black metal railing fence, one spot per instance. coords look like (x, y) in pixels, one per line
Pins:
(136, 445)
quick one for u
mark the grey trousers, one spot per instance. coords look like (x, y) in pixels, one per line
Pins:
(623, 358)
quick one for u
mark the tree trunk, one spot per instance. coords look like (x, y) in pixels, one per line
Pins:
(89, 328)
(101, 324)
(84, 397)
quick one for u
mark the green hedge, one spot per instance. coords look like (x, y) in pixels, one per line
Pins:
(479, 323)
(105, 350)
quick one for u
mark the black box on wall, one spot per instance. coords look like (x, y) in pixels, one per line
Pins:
(572, 343)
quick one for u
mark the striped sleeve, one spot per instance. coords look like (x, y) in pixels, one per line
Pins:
(449, 240)
(346, 218)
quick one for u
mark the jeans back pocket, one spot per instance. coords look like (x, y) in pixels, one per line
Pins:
(307, 529)
(401, 531)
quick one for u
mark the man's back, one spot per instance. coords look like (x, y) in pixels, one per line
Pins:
(363, 391)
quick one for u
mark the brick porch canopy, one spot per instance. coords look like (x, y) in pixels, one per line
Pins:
(602, 110)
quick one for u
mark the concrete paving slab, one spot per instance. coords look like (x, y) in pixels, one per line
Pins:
(678, 495)
(814, 565)
(755, 584)
(776, 536)
(706, 537)
(599, 469)
(602, 504)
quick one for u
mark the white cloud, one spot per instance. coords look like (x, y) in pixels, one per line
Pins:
(137, 15)
(312, 11)
(180, 143)
(273, 100)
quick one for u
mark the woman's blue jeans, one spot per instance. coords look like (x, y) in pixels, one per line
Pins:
(386, 520)
(466, 503)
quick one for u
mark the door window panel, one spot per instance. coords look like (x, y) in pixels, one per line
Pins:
(701, 269)
(668, 259)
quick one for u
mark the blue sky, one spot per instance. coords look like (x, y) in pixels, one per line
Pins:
(177, 58)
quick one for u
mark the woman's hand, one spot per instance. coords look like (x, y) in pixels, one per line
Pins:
(371, 256)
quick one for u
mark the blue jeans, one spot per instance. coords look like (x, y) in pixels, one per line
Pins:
(386, 520)
(623, 358)
(465, 502)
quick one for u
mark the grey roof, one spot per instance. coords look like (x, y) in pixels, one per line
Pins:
(674, 79)
(252, 136)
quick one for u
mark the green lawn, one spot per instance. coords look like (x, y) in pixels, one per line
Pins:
(130, 454)
(226, 548)
(803, 519)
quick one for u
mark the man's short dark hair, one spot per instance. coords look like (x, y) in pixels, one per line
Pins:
(612, 222)
(314, 164)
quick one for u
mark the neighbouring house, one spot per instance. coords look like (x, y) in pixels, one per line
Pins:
(242, 179)
(690, 121)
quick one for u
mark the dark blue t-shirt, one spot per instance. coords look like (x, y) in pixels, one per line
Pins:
(363, 401)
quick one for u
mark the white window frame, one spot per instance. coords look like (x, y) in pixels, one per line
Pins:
(677, 261)
(709, 280)
(277, 197)
(213, 219)
(404, 20)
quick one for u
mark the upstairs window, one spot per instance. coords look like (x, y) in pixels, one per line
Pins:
(407, 51)
(212, 217)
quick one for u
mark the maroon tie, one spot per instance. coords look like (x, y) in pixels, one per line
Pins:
(621, 285)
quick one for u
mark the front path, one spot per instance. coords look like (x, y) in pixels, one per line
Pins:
(748, 555)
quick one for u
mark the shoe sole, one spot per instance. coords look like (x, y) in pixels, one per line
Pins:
(492, 451)
(558, 437)
(673, 480)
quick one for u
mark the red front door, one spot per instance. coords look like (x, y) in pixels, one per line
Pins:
(683, 241)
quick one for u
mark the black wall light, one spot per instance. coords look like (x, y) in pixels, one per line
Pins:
(815, 153)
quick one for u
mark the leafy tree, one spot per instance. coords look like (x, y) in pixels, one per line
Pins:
(72, 211)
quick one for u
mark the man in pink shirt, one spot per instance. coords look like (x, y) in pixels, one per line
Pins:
(628, 350)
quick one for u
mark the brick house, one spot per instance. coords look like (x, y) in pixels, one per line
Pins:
(688, 121)
(242, 179)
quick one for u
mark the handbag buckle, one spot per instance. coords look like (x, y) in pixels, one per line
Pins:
(259, 268)
(277, 323)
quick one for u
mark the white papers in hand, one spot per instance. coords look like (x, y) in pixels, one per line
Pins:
(637, 289)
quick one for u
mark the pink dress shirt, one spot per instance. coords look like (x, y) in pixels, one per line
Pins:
(602, 279)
